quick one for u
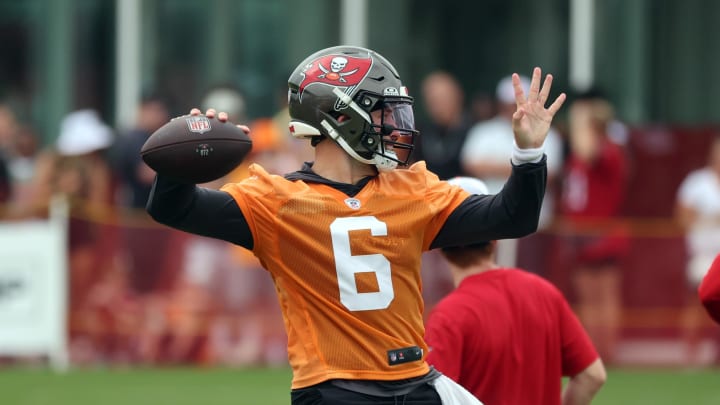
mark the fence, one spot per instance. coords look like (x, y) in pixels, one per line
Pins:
(140, 293)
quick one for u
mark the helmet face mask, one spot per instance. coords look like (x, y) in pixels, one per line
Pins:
(355, 97)
(393, 127)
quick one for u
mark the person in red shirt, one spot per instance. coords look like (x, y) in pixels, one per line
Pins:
(591, 239)
(709, 290)
(509, 336)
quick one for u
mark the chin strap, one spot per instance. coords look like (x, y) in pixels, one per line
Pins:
(382, 163)
(333, 133)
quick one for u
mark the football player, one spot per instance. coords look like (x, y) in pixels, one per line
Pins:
(343, 236)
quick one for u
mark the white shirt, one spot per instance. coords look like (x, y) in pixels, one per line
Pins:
(700, 190)
(492, 141)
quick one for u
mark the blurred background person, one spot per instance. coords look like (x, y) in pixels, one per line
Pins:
(592, 241)
(77, 167)
(442, 135)
(146, 245)
(19, 148)
(137, 177)
(698, 212)
(9, 128)
(486, 155)
(507, 335)
(444, 130)
(22, 161)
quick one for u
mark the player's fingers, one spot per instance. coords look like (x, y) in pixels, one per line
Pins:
(245, 128)
(534, 85)
(210, 113)
(545, 90)
(222, 116)
(555, 106)
(195, 111)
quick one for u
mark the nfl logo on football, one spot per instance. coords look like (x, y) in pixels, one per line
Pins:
(198, 124)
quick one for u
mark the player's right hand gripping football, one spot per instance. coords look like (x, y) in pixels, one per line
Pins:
(531, 121)
(221, 116)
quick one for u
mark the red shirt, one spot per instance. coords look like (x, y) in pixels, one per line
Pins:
(595, 190)
(508, 336)
(592, 194)
(709, 290)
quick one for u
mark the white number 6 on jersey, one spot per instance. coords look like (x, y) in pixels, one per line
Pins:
(348, 265)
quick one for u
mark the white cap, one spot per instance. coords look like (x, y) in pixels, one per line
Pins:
(83, 132)
(470, 184)
(505, 92)
(225, 99)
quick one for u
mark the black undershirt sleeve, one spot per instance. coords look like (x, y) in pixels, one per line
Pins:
(512, 213)
(198, 210)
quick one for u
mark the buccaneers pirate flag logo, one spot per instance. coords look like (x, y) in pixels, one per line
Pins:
(335, 70)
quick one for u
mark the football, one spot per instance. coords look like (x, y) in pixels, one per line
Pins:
(196, 149)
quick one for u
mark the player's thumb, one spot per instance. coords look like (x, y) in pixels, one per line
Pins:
(517, 118)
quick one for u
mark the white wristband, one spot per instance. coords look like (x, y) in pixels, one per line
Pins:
(533, 155)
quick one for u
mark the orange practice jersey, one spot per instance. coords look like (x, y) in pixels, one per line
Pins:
(347, 270)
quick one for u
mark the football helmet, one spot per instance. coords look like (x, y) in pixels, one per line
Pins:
(353, 96)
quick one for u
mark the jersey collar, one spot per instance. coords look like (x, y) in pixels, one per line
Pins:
(307, 175)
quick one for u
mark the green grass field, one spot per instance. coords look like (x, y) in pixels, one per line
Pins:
(186, 386)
